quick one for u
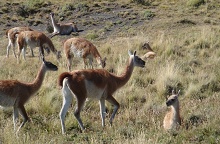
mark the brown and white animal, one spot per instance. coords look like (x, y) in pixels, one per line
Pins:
(98, 84)
(62, 29)
(14, 93)
(35, 39)
(80, 47)
(10, 34)
(172, 119)
(150, 54)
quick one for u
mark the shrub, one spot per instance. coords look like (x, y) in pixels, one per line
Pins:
(92, 36)
(195, 3)
(149, 14)
(142, 2)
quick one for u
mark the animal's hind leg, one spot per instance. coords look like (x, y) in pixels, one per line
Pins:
(67, 100)
(8, 48)
(69, 63)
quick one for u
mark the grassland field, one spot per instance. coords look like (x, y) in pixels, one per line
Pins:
(184, 34)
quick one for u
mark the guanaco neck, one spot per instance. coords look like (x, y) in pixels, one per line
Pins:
(55, 26)
(97, 56)
(125, 76)
(175, 112)
(36, 84)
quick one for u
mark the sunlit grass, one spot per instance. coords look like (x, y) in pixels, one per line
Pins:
(187, 59)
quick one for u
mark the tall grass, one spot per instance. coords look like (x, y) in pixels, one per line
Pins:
(187, 59)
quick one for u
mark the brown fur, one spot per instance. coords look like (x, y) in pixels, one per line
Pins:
(86, 49)
(35, 39)
(150, 53)
(62, 29)
(172, 118)
(10, 34)
(100, 85)
(15, 94)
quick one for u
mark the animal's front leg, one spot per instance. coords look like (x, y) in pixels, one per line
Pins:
(15, 116)
(54, 34)
(102, 110)
(41, 51)
(112, 100)
(85, 63)
(24, 115)
(90, 62)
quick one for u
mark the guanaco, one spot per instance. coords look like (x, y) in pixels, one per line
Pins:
(150, 53)
(80, 47)
(62, 29)
(98, 84)
(35, 39)
(14, 93)
(10, 34)
(172, 118)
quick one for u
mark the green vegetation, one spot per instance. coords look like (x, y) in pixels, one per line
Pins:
(186, 42)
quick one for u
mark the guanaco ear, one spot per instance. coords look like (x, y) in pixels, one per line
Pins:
(178, 93)
(173, 93)
(42, 57)
(129, 52)
(134, 53)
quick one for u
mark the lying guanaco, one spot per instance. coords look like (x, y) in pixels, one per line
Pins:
(172, 118)
(62, 29)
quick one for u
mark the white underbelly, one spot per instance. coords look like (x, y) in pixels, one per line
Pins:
(32, 43)
(94, 92)
(76, 52)
(6, 101)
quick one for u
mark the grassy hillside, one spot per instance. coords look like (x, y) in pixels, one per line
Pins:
(183, 33)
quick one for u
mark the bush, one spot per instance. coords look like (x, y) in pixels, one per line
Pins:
(195, 3)
(142, 2)
(149, 14)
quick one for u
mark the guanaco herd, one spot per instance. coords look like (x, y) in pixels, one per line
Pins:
(98, 84)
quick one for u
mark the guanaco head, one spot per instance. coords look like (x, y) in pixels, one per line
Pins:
(173, 99)
(49, 65)
(136, 59)
(147, 46)
(52, 14)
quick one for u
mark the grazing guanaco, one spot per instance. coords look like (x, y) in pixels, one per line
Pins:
(10, 34)
(98, 84)
(80, 47)
(35, 39)
(62, 29)
(150, 54)
(14, 93)
(172, 118)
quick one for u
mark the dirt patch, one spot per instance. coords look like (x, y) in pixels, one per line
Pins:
(103, 19)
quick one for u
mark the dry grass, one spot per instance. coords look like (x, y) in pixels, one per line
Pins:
(187, 59)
